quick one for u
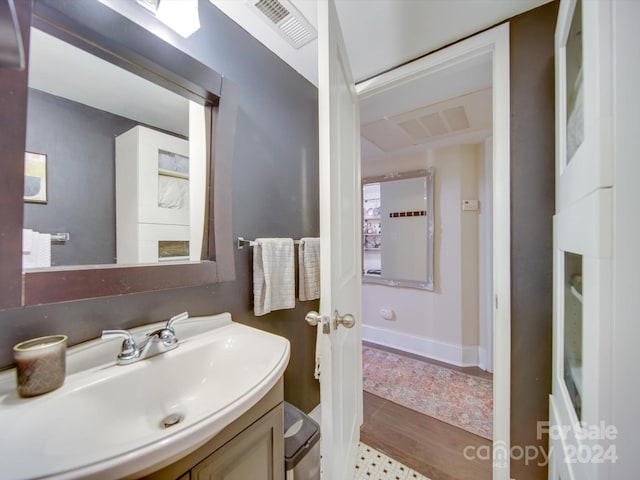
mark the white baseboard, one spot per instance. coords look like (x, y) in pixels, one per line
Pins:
(484, 361)
(459, 355)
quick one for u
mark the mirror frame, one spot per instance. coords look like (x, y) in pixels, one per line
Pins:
(428, 173)
(90, 25)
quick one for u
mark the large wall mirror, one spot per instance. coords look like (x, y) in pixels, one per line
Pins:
(128, 148)
(116, 164)
(398, 229)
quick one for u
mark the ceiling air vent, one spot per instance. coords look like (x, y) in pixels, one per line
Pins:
(433, 122)
(456, 118)
(283, 17)
(414, 129)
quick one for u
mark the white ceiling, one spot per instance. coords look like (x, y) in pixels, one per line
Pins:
(61, 69)
(461, 78)
(464, 119)
(381, 34)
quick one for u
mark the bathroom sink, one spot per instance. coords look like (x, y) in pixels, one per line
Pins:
(118, 421)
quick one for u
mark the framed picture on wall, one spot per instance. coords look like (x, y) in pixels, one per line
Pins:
(35, 177)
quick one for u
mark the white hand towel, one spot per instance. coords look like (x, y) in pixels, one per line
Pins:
(27, 240)
(44, 250)
(40, 254)
(30, 257)
(273, 275)
(309, 268)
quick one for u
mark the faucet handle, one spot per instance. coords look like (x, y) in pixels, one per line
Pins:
(176, 318)
(129, 347)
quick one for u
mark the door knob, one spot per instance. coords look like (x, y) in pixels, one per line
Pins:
(313, 318)
(347, 320)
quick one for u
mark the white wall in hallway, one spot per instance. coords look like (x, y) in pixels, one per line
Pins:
(485, 264)
(469, 223)
(443, 324)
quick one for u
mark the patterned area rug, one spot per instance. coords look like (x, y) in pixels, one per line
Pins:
(459, 399)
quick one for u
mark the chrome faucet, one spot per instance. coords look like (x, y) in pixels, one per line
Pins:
(154, 343)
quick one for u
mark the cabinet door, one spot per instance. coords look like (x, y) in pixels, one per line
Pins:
(584, 62)
(257, 453)
(583, 241)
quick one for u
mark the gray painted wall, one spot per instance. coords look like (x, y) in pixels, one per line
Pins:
(532, 209)
(80, 147)
(275, 193)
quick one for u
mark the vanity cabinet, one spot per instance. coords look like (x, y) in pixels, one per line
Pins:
(251, 447)
(249, 455)
(152, 197)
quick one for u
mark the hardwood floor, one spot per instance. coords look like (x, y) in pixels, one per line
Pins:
(425, 444)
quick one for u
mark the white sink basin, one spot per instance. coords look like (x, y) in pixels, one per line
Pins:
(106, 420)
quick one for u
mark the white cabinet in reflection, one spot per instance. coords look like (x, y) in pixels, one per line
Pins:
(152, 197)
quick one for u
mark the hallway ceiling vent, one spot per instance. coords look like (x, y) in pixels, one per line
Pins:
(433, 122)
(421, 127)
(467, 116)
(456, 118)
(285, 19)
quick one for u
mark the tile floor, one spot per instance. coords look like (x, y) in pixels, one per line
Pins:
(375, 465)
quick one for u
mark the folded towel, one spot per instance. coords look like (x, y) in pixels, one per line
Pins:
(39, 255)
(30, 256)
(309, 268)
(44, 250)
(27, 240)
(173, 192)
(273, 275)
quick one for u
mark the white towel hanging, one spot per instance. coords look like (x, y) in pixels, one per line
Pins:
(273, 275)
(39, 254)
(44, 250)
(309, 269)
(27, 240)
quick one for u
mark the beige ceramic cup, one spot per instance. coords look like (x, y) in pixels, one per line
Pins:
(40, 364)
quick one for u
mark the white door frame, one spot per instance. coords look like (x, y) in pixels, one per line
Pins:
(496, 42)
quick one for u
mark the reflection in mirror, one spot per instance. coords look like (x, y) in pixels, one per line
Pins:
(398, 229)
(125, 171)
(573, 377)
(575, 94)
